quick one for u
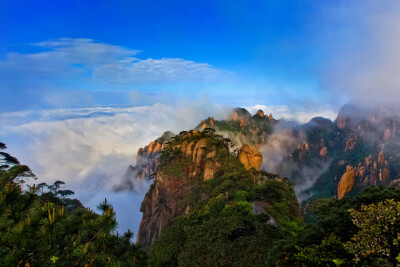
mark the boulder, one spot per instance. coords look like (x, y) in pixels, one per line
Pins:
(250, 157)
(346, 183)
(323, 152)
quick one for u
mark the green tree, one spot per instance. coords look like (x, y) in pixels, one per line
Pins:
(331, 252)
(55, 187)
(45, 230)
(379, 231)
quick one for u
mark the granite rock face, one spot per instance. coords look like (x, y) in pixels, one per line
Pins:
(250, 157)
(195, 157)
(346, 183)
(160, 207)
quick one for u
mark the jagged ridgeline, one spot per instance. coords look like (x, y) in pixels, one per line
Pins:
(323, 158)
(209, 200)
(194, 169)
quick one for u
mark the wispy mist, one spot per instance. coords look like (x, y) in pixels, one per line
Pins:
(91, 149)
(363, 58)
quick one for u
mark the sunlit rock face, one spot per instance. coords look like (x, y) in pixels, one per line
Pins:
(146, 159)
(250, 157)
(160, 207)
(323, 152)
(195, 157)
(346, 183)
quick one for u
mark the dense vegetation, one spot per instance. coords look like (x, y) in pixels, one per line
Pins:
(222, 231)
(39, 228)
(223, 228)
(239, 218)
(231, 217)
(251, 218)
(362, 231)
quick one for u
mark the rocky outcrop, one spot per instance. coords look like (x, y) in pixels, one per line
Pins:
(203, 156)
(160, 207)
(367, 139)
(342, 122)
(200, 157)
(350, 144)
(346, 183)
(318, 151)
(250, 157)
(241, 127)
(381, 158)
(386, 134)
(260, 113)
(146, 159)
(370, 171)
(208, 123)
(323, 152)
(241, 114)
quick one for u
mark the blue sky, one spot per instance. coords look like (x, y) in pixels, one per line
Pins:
(234, 52)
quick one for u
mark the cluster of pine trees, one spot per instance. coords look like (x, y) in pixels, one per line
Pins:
(41, 227)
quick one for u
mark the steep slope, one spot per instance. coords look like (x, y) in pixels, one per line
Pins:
(191, 157)
(146, 162)
(204, 191)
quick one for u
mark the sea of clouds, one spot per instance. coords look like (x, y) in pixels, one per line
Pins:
(91, 148)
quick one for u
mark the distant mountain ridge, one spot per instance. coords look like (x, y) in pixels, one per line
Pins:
(363, 142)
(323, 158)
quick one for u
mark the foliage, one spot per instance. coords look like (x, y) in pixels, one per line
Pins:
(221, 228)
(331, 252)
(38, 228)
(379, 231)
(330, 218)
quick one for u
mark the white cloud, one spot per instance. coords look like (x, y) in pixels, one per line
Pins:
(62, 58)
(91, 148)
(363, 61)
(88, 61)
(158, 71)
(75, 142)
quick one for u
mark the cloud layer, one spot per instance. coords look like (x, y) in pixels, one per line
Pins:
(362, 62)
(92, 62)
(91, 148)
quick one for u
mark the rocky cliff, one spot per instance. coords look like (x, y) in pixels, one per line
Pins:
(190, 158)
(250, 157)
